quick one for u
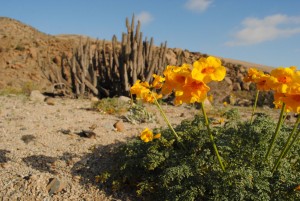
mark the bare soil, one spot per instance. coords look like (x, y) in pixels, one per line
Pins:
(40, 142)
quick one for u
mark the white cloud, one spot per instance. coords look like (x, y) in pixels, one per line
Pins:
(256, 30)
(198, 5)
(144, 17)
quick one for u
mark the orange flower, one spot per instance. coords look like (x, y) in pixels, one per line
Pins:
(208, 69)
(175, 78)
(259, 78)
(282, 79)
(192, 91)
(262, 83)
(292, 101)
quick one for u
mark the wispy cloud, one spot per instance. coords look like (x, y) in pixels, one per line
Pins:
(198, 5)
(144, 17)
(272, 27)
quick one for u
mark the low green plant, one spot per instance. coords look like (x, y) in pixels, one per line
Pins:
(25, 89)
(137, 113)
(10, 90)
(163, 170)
(111, 106)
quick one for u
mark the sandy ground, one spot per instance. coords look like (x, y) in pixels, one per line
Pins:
(41, 143)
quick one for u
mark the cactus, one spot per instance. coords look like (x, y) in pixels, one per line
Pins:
(111, 68)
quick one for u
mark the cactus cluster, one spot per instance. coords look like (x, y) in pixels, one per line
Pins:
(107, 69)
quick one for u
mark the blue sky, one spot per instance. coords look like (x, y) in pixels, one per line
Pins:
(260, 31)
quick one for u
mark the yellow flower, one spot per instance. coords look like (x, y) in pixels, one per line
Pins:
(157, 82)
(259, 78)
(175, 78)
(253, 73)
(225, 104)
(143, 92)
(210, 98)
(192, 91)
(149, 97)
(292, 101)
(147, 135)
(262, 83)
(208, 69)
(295, 85)
(157, 136)
(137, 87)
(282, 79)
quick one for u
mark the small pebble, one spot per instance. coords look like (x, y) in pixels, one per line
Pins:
(119, 126)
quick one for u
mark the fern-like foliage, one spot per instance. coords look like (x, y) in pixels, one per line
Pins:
(163, 170)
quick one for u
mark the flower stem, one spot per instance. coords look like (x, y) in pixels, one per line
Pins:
(288, 144)
(165, 118)
(212, 137)
(279, 123)
(254, 107)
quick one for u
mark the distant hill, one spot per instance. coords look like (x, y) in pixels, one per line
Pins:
(25, 51)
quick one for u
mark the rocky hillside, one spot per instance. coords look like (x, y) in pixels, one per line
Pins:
(32, 59)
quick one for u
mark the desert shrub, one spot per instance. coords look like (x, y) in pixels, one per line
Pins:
(110, 106)
(10, 90)
(27, 87)
(163, 170)
(137, 113)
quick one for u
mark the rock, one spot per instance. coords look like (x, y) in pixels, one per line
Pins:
(65, 131)
(93, 127)
(228, 80)
(119, 126)
(244, 102)
(240, 77)
(28, 138)
(76, 178)
(207, 105)
(57, 60)
(246, 86)
(88, 134)
(171, 57)
(94, 99)
(177, 51)
(50, 101)
(124, 99)
(37, 96)
(33, 52)
(56, 185)
(5, 165)
(231, 99)
(236, 86)
(186, 54)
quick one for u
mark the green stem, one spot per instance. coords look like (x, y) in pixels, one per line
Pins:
(165, 118)
(288, 144)
(254, 107)
(212, 137)
(276, 131)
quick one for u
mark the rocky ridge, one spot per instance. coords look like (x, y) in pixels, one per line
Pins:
(25, 52)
